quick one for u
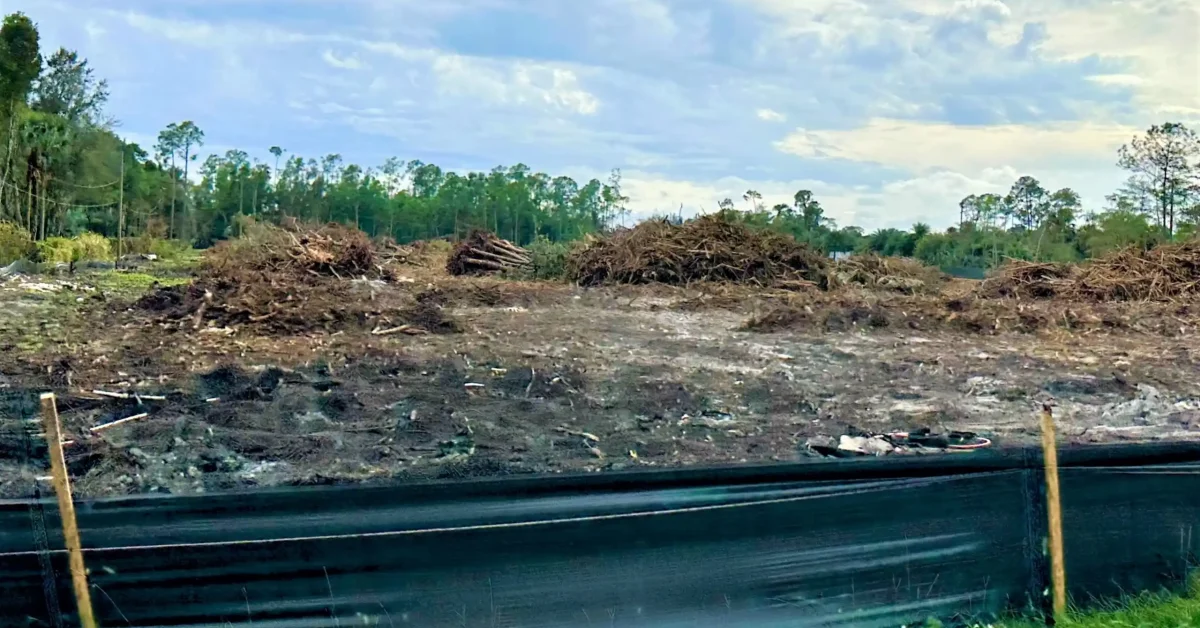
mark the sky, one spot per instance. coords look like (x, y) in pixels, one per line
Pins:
(890, 111)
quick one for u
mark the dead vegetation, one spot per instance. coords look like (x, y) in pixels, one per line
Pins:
(483, 253)
(710, 248)
(292, 280)
(1164, 272)
(901, 274)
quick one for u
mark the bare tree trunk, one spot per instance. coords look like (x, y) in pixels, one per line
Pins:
(174, 187)
(12, 123)
(42, 219)
(29, 209)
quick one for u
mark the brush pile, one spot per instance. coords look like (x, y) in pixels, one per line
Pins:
(709, 248)
(1028, 280)
(901, 274)
(483, 253)
(1162, 273)
(287, 280)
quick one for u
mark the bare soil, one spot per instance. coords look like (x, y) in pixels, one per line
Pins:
(551, 378)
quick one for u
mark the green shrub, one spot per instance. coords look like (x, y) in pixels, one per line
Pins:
(92, 246)
(549, 259)
(56, 251)
(86, 246)
(15, 243)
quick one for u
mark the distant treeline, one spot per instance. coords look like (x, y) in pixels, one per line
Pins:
(65, 172)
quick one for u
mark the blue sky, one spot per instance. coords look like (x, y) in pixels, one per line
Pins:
(889, 110)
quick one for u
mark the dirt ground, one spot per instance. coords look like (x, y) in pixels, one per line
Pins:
(551, 378)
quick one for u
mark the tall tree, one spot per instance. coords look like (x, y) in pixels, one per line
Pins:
(811, 212)
(70, 89)
(1163, 162)
(1028, 202)
(20, 59)
(188, 136)
(754, 198)
(169, 141)
(20, 64)
(277, 152)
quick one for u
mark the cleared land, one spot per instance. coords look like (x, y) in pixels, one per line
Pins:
(278, 365)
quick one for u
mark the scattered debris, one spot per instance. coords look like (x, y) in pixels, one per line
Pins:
(921, 441)
(902, 274)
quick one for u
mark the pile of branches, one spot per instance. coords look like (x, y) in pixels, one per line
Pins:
(330, 250)
(709, 248)
(483, 253)
(1163, 272)
(294, 279)
(1029, 280)
(902, 274)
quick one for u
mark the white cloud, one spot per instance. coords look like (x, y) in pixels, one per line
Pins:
(94, 30)
(521, 83)
(342, 63)
(1160, 37)
(770, 115)
(920, 147)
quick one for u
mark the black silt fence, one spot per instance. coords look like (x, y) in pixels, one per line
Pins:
(880, 542)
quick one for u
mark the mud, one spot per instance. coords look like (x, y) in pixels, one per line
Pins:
(549, 378)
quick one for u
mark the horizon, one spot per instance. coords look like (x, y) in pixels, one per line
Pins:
(922, 102)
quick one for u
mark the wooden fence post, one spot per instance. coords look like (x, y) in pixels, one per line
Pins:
(66, 510)
(1058, 569)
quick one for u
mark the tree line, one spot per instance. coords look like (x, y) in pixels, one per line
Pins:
(65, 171)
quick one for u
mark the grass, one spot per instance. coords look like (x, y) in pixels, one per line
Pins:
(130, 284)
(1147, 610)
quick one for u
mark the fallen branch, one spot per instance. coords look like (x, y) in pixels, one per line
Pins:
(403, 329)
(571, 432)
(118, 395)
(127, 419)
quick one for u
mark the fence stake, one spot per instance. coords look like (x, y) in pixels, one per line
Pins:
(66, 509)
(1058, 569)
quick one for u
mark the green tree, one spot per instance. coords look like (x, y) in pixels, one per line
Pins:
(1028, 202)
(20, 64)
(70, 89)
(278, 153)
(754, 198)
(20, 59)
(169, 143)
(1163, 163)
(187, 137)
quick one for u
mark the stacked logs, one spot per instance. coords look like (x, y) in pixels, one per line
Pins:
(482, 253)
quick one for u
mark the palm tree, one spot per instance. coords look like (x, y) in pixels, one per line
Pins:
(45, 138)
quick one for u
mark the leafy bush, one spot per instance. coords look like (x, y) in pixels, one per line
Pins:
(86, 246)
(549, 259)
(56, 251)
(92, 246)
(15, 242)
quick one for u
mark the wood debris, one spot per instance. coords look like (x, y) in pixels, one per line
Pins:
(482, 253)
